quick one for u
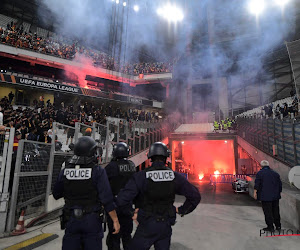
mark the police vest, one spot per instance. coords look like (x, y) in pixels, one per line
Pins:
(79, 189)
(160, 190)
(125, 170)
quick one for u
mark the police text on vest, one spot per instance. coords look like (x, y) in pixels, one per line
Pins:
(127, 168)
(78, 174)
(160, 175)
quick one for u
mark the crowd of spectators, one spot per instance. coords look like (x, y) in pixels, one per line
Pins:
(282, 109)
(35, 123)
(20, 39)
(60, 47)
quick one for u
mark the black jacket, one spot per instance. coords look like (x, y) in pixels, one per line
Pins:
(268, 185)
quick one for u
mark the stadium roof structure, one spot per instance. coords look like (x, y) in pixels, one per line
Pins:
(26, 11)
(276, 61)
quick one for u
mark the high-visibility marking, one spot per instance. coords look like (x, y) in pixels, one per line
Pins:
(33, 242)
(78, 174)
(16, 144)
(160, 175)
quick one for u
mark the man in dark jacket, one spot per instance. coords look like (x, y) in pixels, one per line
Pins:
(267, 189)
(119, 171)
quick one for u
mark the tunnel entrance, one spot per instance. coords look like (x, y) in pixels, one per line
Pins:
(202, 158)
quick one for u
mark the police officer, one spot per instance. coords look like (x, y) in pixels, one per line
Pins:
(155, 189)
(85, 188)
(119, 171)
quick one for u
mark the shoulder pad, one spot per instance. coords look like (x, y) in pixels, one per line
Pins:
(131, 163)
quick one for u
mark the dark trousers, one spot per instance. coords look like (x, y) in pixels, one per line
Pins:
(126, 226)
(86, 232)
(152, 232)
(271, 211)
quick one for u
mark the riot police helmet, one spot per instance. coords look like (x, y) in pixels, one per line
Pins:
(120, 150)
(85, 146)
(158, 149)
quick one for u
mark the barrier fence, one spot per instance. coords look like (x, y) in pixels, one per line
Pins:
(228, 178)
(280, 138)
(32, 180)
(6, 157)
(65, 135)
(36, 165)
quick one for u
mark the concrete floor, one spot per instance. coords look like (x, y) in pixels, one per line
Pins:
(223, 220)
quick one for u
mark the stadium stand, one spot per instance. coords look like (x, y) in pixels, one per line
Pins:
(43, 114)
(47, 42)
(5, 20)
(26, 27)
(287, 107)
(41, 32)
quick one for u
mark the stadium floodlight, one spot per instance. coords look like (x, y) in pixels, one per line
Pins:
(159, 11)
(117, 1)
(136, 8)
(124, 4)
(282, 3)
(256, 7)
(171, 13)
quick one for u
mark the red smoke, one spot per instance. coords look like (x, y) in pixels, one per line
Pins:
(84, 66)
(87, 68)
(206, 157)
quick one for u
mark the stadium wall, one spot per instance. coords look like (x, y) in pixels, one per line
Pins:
(259, 155)
(30, 94)
(47, 96)
(4, 91)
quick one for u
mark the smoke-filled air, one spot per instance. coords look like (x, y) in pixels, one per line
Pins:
(217, 37)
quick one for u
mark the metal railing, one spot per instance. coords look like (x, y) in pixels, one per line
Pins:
(65, 135)
(32, 180)
(279, 138)
(6, 155)
(37, 165)
(227, 178)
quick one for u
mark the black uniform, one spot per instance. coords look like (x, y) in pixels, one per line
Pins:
(155, 189)
(269, 187)
(85, 188)
(119, 171)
